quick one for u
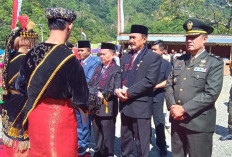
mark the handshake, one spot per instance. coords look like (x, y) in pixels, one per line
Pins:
(122, 94)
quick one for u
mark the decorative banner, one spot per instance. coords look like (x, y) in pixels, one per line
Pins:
(16, 10)
(14, 14)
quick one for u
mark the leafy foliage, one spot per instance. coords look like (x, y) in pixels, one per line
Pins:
(99, 17)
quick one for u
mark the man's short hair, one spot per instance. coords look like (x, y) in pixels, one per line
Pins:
(160, 43)
(57, 24)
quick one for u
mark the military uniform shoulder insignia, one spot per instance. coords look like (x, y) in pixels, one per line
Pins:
(217, 57)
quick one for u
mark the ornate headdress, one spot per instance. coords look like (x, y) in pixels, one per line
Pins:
(23, 30)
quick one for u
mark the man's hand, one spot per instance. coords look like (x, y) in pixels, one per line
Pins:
(177, 112)
(121, 94)
(125, 94)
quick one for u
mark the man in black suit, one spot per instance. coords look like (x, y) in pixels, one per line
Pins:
(158, 97)
(191, 91)
(105, 79)
(139, 73)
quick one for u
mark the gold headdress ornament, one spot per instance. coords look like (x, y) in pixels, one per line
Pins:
(190, 25)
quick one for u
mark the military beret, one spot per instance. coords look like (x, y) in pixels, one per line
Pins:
(84, 44)
(139, 29)
(195, 27)
(108, 46)
(60, 13)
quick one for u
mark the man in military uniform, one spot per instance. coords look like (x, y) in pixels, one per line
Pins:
(138, 73)
(158, 97)
(191, 91)
(89, 63)
(229, 135)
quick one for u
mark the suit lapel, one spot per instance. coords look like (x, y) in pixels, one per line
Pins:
(88, 60)
(139, 66)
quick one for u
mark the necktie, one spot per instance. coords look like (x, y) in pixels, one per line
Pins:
(82, 62)
(192, 59)
(102, 71)
(132, 60)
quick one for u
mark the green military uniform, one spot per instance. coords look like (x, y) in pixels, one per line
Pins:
(195, 85)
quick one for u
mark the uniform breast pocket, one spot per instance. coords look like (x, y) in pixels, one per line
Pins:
(199, 79)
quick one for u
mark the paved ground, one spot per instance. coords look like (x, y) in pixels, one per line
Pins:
(220, 149)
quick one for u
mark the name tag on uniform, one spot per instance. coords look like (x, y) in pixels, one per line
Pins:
(177, 68)
(199, 69)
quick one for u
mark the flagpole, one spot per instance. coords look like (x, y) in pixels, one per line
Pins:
(119, 17)
(122, 16)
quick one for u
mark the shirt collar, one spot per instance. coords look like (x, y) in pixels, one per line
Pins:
(199, 54)
(86, 58)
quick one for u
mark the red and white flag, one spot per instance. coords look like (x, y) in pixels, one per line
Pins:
(83, 34)
(16, 10)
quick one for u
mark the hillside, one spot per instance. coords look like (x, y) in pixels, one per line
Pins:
(99, 17)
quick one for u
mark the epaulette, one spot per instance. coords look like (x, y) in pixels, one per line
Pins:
(214, 56)
(184, 57)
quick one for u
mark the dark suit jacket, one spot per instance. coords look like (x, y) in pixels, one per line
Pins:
(196, 86)
(165, 69)
(139, 104)
(109, 81)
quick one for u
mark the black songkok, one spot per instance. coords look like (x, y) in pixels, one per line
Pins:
(139, 29)
(84, 44)
(195, 27)
(108, 46)
(60, 13)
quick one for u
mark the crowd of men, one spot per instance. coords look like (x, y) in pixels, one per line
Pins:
(55, 97)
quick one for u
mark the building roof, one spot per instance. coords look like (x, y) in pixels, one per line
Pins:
(223, 40)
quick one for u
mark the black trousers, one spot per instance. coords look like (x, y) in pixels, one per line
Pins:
(104, 135)
(158, 117)
(138, 130)
(196, 144)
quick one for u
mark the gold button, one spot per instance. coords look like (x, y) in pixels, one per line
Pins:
(179, 101)
(184, 78)
(188, 68)
(181, 89)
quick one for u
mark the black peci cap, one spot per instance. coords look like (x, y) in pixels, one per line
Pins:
(139, 29)
(195, 27)
(108, 46)
(84, 44)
